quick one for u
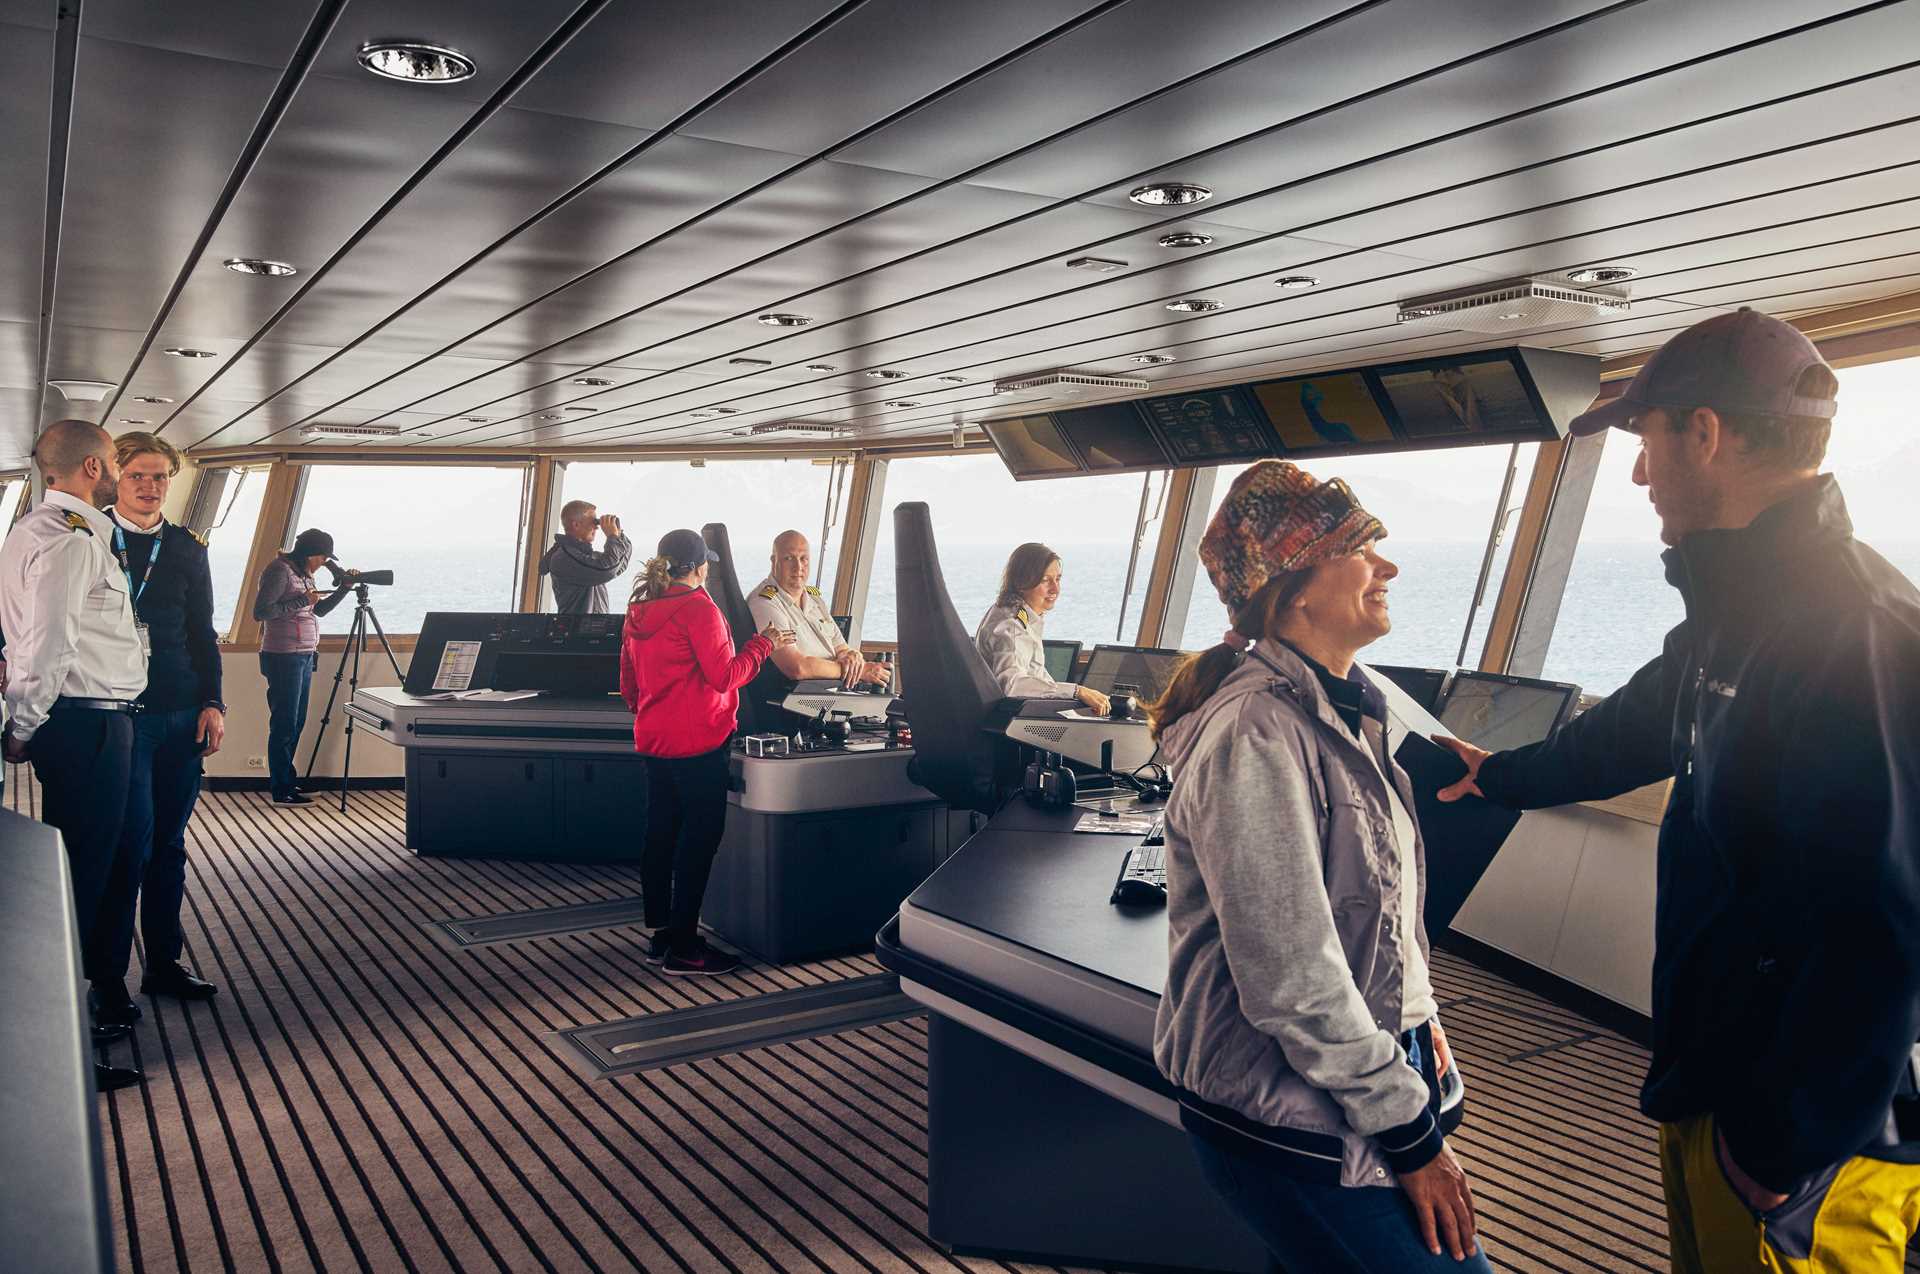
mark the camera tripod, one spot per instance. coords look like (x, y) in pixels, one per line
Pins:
(363, 616)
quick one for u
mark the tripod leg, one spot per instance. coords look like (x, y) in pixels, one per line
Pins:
(382, 634)
(332, 695)
(357, 641)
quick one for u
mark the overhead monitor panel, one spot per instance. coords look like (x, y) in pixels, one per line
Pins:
(1210, 426)
(1033, 447)
(1141, 671)
(1336, 411)
(1442, 398)
(1496, 712)
(1112, 438)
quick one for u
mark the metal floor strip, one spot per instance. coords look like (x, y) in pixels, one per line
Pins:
(733, 1026)
(543, 922)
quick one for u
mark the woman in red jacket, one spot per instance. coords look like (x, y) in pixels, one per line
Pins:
(681, 677)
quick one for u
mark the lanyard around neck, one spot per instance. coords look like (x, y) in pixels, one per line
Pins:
(120, 551)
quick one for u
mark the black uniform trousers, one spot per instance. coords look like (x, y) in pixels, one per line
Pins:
(83, 759)
(152, 862)
(686, 815)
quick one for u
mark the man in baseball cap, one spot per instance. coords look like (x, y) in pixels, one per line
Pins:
(1786, 711)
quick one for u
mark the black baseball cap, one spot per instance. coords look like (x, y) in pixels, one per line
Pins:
(312, 542)
(1745, 363)
(686, 550)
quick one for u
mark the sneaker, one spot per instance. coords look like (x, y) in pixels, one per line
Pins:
(657, 947)
(292, 798)
(699, 961)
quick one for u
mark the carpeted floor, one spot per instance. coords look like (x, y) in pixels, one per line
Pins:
(364, 1095)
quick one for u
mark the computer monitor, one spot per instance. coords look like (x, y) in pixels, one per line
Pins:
(1141, 671)
(1061, 656)
(1462, 395)
(1033, 447)
(845, 624)
(1423, 685)
(1493, 711)
(1112, 438)
(1210, 426)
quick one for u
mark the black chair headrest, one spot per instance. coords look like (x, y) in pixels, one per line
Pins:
(723, 585)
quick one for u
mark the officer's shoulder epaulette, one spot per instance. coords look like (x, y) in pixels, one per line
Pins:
(812, 590)
(198, 538)
(770, 592)
(1020, 613)
(77, 523)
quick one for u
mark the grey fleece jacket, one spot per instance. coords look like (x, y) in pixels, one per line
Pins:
(1285, 945)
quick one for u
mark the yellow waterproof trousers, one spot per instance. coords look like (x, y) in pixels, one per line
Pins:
(1854, 1219)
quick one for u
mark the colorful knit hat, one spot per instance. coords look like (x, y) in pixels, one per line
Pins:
(1276, 518)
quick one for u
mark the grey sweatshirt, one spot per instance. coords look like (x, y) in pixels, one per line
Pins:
(580, 574)
(1286, 944)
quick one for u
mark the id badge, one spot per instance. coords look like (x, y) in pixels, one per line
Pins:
(146, 640)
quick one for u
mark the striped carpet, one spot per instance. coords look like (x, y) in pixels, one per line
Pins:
(362, 1095)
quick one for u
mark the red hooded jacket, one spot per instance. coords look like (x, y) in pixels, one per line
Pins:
(680, 675)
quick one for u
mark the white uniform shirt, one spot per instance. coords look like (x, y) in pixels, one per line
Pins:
(67, 613)
(815, 635)
(1011, 639)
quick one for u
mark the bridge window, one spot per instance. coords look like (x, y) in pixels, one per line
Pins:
(1438, 507)
(448, 533)
(756, 499)
(1618, 605)
(230, 539)
(980, 514)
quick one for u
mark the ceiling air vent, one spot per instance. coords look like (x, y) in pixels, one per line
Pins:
(1066, 384)
(811, 428)
(1511, 305)
(351, 431)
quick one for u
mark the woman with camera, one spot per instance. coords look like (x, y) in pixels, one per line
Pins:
(289, 608)
(1299, 1023)
(1011, 637)
(681, 676)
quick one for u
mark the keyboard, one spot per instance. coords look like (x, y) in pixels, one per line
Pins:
(1143, 872)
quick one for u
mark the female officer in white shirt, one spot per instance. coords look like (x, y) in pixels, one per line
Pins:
(1012, 636)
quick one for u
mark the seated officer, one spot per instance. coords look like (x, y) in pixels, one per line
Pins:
(1011, 637)
(785, 600)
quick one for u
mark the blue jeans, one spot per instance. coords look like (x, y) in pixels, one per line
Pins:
(152, 862)
(288, 678)
(1311, 1228)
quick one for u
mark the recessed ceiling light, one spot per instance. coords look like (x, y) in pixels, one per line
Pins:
(180, 351)
(259, 265)
(1096, 265)
(594, 382)
(416, 62)
(1195, 305)
(150, 398)
(1296, 282)
(784, 320)
(727, 411)
(886, 375)
(952, 380)
(1152, 360)
(476, 420)
(129, 420)
(750, 362)
(550, 415)
(423, 433)
(1510, 316)
(1602, 274)
(1185, 239)
(583, 409)
(1164, 193)
(820, 367)
(903, 402)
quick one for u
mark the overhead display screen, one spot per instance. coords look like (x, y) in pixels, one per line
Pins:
(1314, 412)
(1032, 447)
(1111, 436)
(1210, 426)
(1460, 396)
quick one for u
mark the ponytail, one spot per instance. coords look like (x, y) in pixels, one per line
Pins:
(1198, 676)
(655, 575)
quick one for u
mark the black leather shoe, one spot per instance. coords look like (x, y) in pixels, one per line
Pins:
(107, 1078)
(171, 979)
(292, 798)
(112, 1006)
(108, 1034)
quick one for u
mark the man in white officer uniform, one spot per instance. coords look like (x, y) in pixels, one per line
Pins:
(76, 665)
(785, 600)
